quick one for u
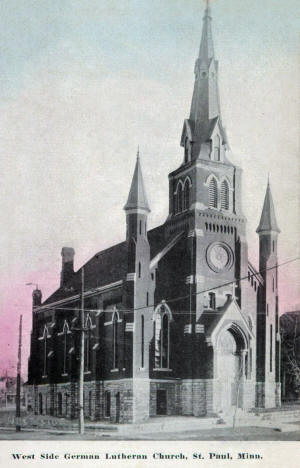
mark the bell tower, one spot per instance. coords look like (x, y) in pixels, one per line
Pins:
(205, 191)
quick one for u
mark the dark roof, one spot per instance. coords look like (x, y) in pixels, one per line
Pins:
(137, 194)
(105, 267)
(268, 219)
(211, 318)
(156, 238)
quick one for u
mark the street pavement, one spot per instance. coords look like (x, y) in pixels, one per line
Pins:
(241, 433)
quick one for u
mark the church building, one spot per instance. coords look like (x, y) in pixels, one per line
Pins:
(177, 319)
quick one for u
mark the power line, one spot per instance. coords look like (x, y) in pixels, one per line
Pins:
(172, 300)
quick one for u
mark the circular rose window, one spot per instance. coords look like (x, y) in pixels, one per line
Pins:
(219, 256)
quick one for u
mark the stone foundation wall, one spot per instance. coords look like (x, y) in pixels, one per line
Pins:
(268, 394)
(173, 390)
(197, 397)
(61, 400)
(247, 394)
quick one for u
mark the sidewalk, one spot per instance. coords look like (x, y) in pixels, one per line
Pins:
(287, 419)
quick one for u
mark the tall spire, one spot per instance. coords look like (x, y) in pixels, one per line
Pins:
(206, 51)
(268, 219)
(205, 106)
(137, 198)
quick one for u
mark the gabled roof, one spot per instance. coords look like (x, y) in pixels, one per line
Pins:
(268, 219)
(211, 318)
(105, 267)
(137, 195)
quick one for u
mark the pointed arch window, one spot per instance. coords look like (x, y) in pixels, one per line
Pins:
(87, 345)
(186, 194)
(162, 337)
(179, 198)
(45, 351)
(65, 363)
(224, 195)
(115, 346)
(213, 193)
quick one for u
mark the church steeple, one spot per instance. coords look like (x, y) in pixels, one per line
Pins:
(206, 51)
(137, 198)
(204, 122)
(268, 219)
(205, 102)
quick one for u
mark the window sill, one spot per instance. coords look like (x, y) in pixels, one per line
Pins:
(162, 369)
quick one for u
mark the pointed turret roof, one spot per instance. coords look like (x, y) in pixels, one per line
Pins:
(137, 195)
(205, 112)
(206, 51)
(268, 219)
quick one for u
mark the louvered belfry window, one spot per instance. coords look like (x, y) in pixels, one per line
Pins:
(224, 195)
(213, 193)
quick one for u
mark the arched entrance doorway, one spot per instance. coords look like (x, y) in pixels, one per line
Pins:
(230, 366)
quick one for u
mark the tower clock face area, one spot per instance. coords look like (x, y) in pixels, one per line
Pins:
(219, 257)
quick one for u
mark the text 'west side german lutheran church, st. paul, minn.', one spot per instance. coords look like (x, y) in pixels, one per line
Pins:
(177, 320)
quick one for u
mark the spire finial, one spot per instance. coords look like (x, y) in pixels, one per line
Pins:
(207, 8)
(138, 152)
(268, 179)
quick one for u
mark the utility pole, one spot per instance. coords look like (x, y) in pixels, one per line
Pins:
(18, 394)
(81, 358)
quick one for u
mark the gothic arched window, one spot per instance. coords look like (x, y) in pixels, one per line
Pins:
(224, 195)
(165, 342)
(45, 351)
(87, 345)
(162, 337)
(213, 193)
(186, 194)
(115, 350)
(65, 362)
(179, 197)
